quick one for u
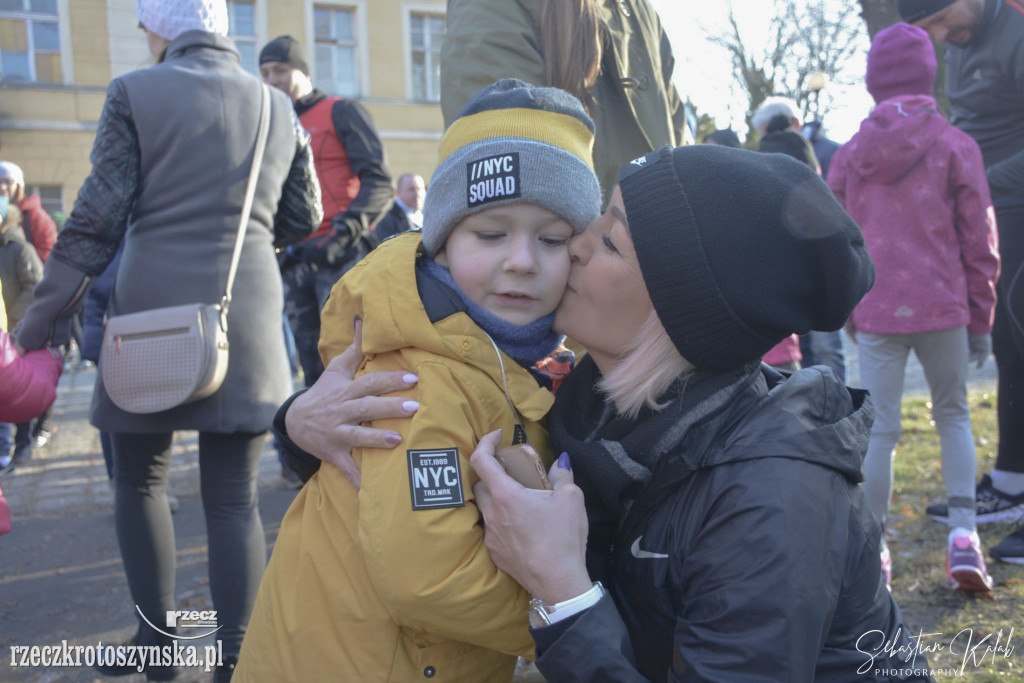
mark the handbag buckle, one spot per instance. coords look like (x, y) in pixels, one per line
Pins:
(225, 300)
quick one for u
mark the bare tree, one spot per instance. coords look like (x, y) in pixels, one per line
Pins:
(803, 36)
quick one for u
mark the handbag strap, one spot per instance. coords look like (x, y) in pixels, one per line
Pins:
(250, 193)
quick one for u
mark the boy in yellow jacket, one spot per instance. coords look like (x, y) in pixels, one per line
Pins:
(393, 582)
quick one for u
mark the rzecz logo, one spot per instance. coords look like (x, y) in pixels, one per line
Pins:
(186, 619)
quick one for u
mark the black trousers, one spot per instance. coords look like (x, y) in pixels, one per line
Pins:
(1008, 340)
(228, 469)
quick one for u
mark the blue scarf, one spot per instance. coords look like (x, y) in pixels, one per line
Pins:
(525, 344)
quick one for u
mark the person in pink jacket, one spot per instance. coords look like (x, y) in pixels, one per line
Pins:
(916, 186)
(28, 384)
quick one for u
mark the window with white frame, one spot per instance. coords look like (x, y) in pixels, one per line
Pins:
(242, 30)
(334, 31)
(29, 41)
(427, 34)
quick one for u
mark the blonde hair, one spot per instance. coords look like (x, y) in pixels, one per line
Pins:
(571, 39)
(647, 367)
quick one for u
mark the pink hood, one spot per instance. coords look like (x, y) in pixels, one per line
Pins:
(897, 134)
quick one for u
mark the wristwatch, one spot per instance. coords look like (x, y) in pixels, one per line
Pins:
(542, 615)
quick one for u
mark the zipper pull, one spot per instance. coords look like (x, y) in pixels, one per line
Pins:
(518, 434)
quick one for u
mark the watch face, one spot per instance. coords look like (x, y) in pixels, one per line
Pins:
(538, 614)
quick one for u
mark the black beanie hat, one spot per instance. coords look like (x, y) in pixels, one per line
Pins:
(789, 143)
(740, 249)
(286, 50)
(915, 10)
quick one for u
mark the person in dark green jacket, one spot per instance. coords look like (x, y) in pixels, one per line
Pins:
(621, 67)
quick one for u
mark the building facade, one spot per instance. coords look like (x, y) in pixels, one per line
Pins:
(58, 56)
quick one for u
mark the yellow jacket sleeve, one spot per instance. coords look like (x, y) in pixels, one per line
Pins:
(430, 566)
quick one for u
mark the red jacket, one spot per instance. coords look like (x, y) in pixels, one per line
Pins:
(39, 228)
(339, 185)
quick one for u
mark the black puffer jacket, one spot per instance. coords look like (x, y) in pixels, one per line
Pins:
(748, 554)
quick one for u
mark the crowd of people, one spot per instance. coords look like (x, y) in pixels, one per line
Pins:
(653, 325)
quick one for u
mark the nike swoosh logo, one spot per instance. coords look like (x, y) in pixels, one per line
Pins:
(644, 554)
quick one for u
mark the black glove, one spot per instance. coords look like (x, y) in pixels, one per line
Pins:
(327, 249)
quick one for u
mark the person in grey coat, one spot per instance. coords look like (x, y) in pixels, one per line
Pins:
(171, 159)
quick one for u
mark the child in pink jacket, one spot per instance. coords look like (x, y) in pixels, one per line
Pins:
(28, 384)
(916, 186)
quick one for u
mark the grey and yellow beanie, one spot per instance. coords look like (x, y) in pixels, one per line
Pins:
(513, 143)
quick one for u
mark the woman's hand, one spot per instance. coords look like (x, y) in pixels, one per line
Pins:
(325, 420)
(537, 537)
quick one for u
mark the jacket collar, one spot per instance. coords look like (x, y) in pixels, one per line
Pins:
(190, 41)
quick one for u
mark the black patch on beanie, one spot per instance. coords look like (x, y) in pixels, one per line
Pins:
(493, 178)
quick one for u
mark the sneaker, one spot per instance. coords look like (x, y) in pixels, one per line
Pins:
(6, 466)
(992, 505)
(1010, 549)
(42, 438)
(886, 557)
(965, 565)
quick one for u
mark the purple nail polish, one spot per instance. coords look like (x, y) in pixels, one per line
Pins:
(563, 461)
(393, 439)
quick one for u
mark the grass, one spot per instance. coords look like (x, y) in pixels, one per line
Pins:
(974, 637)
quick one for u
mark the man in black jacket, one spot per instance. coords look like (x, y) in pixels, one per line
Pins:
(985, 84)
(355, 188)
(407, 211)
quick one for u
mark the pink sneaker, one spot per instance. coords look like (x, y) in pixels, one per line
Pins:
(965, 565)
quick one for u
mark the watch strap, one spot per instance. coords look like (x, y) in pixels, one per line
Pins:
(552, 614)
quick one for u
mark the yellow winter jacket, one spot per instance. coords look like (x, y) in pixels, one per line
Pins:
(362, 586)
